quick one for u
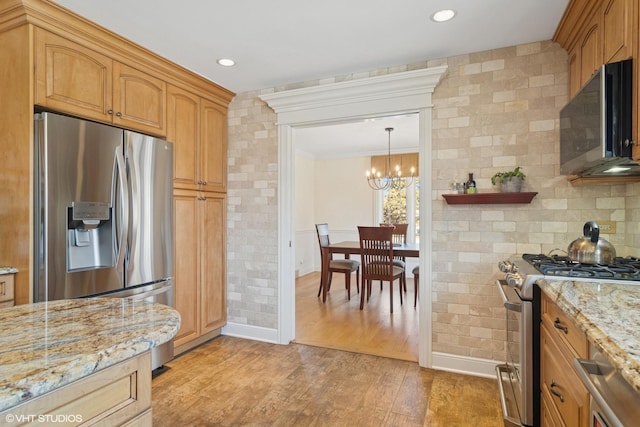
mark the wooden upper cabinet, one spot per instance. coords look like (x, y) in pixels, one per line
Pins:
(139, 100)
(74, 79)
(575, 81)
(213, 146)
(617, 25)
(590, 50)
(596, 33)
(198, 129)
(183, 129)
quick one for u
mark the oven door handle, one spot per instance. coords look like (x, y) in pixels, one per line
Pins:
(508, 304)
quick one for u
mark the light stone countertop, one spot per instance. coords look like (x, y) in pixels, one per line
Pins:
(47, 345)
(8, 270)
(609, 314)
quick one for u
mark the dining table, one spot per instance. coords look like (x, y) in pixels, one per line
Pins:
(348, 248)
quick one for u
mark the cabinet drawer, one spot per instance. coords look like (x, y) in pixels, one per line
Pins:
(563, 327)
(560, 385)
(109, 397)
(6, 287)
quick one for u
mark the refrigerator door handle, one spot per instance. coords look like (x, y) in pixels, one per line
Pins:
(124, 196)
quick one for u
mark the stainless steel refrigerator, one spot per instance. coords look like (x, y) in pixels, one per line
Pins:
(103, 214)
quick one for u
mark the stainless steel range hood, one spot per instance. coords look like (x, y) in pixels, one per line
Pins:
(608, 166)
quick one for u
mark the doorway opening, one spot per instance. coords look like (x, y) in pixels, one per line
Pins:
(391, 94)
(330, 187)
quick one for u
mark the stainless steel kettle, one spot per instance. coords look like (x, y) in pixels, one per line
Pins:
(591, 249)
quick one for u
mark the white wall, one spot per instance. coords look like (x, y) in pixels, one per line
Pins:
(334, 191)
(306, 240)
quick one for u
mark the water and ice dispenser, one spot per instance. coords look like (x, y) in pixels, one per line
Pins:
(90, 236)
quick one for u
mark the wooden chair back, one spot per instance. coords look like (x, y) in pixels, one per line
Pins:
(323, 236)
(376, 252)
(399, 232)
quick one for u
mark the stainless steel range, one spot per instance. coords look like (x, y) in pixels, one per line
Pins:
(519, 377)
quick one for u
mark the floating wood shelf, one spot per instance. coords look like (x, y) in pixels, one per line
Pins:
(488, 198)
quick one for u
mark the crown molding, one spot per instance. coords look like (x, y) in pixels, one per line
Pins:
(405, 91)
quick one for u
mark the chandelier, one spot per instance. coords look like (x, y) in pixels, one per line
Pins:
(378, 181)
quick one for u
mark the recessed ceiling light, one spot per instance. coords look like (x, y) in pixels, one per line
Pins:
(443, 15)
(226, 62)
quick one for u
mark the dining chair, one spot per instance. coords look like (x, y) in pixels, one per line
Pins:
(376, 252)
(346, 266)
(399, 238)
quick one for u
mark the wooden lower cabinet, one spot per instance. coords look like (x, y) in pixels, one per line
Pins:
(119, 395)
(7, 290)
(550, 416)
(564, 399)
(200, 265)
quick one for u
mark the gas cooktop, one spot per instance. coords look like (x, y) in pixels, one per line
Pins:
(627, 268)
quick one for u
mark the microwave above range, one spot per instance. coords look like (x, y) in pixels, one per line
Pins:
(596, 125)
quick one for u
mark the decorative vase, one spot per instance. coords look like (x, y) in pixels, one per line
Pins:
(513, 185)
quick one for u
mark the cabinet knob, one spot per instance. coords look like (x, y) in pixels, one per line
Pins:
(110, 112)
(118, 114)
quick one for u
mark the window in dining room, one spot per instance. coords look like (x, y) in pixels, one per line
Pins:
(400, 206)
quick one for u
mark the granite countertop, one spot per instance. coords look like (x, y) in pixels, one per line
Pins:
(609, 314)
(47, 345)
(8, 270)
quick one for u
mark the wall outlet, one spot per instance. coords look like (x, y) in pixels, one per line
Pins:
(607, 227)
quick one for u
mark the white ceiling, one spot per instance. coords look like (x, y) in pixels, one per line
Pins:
(288, 41)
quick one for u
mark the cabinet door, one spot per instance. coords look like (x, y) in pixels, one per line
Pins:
(590, 50)
(139, 100)
(213, 267)
(186, 280)
(213, 146)
(72, 78)
(617, 27)
(575, 79)
(183, 129)
(550, 417)
(6, 289)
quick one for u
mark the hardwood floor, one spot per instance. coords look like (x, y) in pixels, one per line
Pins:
(340, 324)
(236, 382)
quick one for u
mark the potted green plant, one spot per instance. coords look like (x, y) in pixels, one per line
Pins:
(510, 181)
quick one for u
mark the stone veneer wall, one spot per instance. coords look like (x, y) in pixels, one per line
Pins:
(493, 111)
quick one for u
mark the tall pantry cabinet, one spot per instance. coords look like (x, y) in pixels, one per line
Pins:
(55, 60)
(198, 129)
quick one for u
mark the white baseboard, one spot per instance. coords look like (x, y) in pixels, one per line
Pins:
(465, 365)
(443, 361)
(256, 333)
